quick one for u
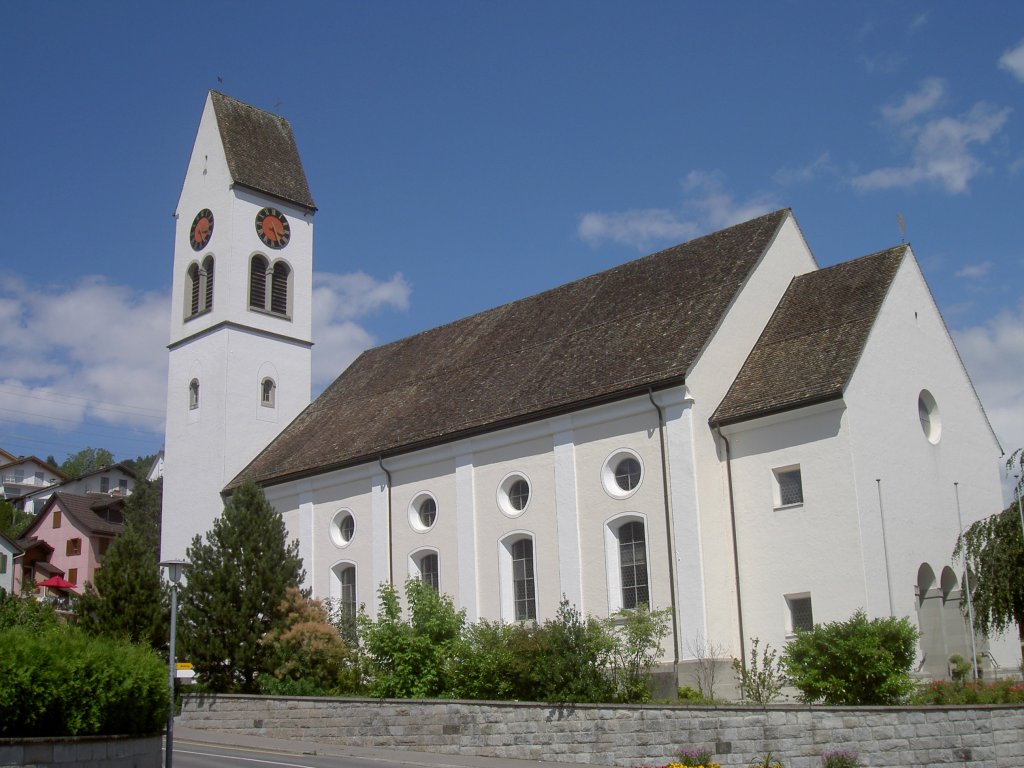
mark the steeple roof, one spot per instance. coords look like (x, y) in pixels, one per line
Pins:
(605, 337)
(261, 151)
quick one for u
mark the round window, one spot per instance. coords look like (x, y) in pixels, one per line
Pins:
(514, 494)
(622, 473)
(928, 413)
(343, 528)
(423, 512)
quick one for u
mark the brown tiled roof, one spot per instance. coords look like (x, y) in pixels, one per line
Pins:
(261, 151)
(812, 343)
(601, 338)
(81, 509)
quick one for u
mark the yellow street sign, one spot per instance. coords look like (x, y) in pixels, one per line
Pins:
(184, 665)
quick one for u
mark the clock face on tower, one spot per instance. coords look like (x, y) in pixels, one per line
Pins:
(273, 228)
(202, 229)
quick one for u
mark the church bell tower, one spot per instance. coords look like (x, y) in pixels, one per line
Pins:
(241, 324)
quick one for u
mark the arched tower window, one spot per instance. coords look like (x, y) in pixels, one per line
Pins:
(192, 289)
(207, 274)
(270, 286)
(268, 392)
(258, 282)
(279, 282)
(193, 394)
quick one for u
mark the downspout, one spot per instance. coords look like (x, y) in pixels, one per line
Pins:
(391, 548)
(735, 547)
(671, 536)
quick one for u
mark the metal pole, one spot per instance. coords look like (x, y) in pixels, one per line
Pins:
(170, 685)
(885, 549)
(967, 583)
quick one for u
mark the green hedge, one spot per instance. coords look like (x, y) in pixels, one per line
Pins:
(60, 682)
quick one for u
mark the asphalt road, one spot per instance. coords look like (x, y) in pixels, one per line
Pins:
(188, 755)
(201, 748)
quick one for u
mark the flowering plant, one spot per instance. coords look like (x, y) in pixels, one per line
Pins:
(840, 758)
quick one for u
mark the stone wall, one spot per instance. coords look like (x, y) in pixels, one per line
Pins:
(979, 737)
(84, 752)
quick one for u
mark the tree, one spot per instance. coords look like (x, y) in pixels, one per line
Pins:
(12, 520)
(236, 586)
(994, 553)
(859, 661)
(86, 460)
(575, 658)
(128, 599)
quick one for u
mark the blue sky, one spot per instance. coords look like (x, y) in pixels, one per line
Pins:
(465, 154)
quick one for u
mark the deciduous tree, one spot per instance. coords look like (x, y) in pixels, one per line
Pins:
(86, 460)
(236, 586)
(994, 551)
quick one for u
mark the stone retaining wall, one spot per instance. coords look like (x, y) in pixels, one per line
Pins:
(979, 737)
(84, 752)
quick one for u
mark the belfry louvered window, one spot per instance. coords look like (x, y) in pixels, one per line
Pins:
(208, 274)
(633, 565)
(258, 282)
(279, 289)
(193, 286)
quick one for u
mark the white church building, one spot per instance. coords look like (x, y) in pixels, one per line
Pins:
(721, 428)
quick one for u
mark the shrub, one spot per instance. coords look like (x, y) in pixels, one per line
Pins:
(840, 758)
(414, 658)
(942, 692)
(762, 680)
(306, 655)
(638, 643)
(27, 613)
(694, 758)
(852, 662)
(574, 659)
(497, 662)
(63, 683)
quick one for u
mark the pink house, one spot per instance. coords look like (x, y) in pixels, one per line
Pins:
(68, 538)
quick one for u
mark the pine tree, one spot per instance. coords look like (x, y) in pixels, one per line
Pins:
(128, 599)
(236, 586)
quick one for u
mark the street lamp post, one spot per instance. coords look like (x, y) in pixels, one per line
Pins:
(174, 571)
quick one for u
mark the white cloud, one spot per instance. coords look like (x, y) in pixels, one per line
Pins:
(1012, 61)
(919, 21)
(943, 146)
(975, 270)
(706, 205)
(925, 99)
(96, 353)
(994, 355)
(822, 165)
(638, 228)
(339, 300)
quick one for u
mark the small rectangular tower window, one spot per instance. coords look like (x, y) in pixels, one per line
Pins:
(789, 488)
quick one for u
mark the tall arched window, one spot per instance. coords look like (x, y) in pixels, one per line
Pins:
(279, 281)
(258, 282)
(207, 274)
(347, 577)
(429, 571)
(524, 586)
(193, 394)
(193, 290)
(633, 565)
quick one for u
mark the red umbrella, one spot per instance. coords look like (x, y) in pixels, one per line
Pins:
(57, 582)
